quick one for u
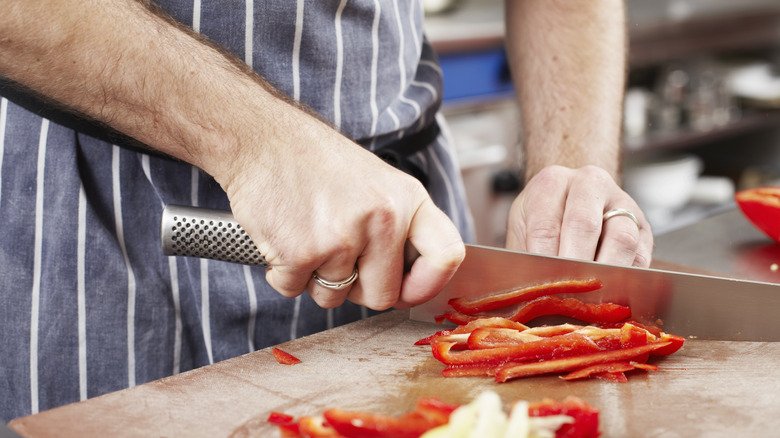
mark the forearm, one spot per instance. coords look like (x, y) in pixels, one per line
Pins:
(568, 64)
(148, 78)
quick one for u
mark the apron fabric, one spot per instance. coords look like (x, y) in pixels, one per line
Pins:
(89, 304)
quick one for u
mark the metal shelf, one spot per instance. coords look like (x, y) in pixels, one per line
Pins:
(684, 138)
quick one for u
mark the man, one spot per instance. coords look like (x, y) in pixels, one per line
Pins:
(89, 303)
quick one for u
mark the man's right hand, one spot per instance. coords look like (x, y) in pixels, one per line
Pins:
(332, 206)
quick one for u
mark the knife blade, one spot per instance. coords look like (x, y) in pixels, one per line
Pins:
(690, 305)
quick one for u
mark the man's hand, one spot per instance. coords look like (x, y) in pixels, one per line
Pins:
(334, 206)
(560, 211)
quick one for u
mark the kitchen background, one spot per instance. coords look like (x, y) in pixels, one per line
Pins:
(702, 105)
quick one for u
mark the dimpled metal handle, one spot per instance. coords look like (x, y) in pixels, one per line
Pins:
(206, 233)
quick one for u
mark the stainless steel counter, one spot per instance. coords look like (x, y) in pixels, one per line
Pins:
(725, 243)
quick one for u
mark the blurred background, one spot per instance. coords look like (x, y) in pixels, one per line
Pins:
(702, 105)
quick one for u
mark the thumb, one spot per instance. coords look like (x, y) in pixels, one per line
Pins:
(441, 251)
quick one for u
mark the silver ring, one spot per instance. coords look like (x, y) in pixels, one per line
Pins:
(622, 212)
(336, 285)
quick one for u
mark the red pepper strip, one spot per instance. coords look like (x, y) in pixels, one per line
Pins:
(491, 337)
(652, 329)
(357, 424)
(291, 430)
(644, 366)
(586, 417)
(471, 370)
(572, 363)
(427, 340)
(609, 367)
(470, 306)
(761, 206)
(489, 322)
(545, 348)
(316, 427)
(280, 418)
(284, 357)
(455, 317)
(288, 427)
(435, 410)
(547, 331)
(612, 377)
(572, 308)
(633, 336)
(676, 343)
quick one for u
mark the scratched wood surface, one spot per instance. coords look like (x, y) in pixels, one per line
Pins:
(709, 388)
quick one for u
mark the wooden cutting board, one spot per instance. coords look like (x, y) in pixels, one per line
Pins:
(709, 388)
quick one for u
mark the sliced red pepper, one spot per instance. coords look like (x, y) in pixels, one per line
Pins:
(547, 331)
(280, 418)
(357, 424)
(288, 427)
(470, 370)
(644, 366)
(633, 336)
(586, 417)
(618, 377)
(652, 329)
(427, 340)
(676, 342)
(435, 410)
(492, 337)
(761, 206)
(545, 348)
(291, 430)
(489, 322)
(455, 318)
(609, 367)
(316, 427)
(284, 357)
(571, 308)
(471, 306)
(574, 362)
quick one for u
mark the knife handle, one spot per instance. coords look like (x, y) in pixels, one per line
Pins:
(207, 233)
(215, 234)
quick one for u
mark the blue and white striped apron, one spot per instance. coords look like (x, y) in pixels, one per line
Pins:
(89, 305)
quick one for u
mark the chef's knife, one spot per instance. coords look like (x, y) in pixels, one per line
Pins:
(691, 305)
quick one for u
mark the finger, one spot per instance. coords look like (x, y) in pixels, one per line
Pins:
(329, 297)
(582, 223)
(644, 254)
(620, 241)
(544, 211)
(340, 260)
(441, 251)
(287, 280)
(624, 242)
(381, 271)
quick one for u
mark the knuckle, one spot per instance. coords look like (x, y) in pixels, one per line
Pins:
(551, 174)
(284, 284)
(544, 230)
(641, 260)
(626, 239)
(327, 300)
(453, 254)
(584, 224)
(380, 305)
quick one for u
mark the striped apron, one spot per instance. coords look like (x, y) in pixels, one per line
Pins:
(89, 304)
